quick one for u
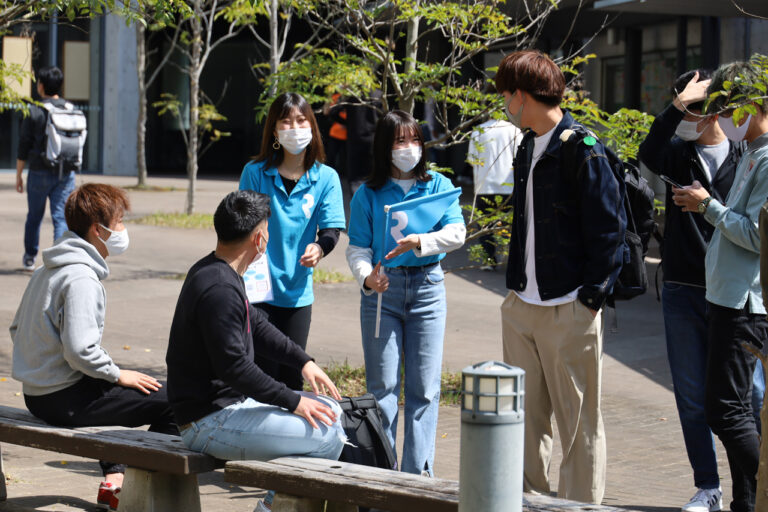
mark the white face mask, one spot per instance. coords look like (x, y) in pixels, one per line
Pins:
(117, 243)
(406, 159)
(687, 130)
(734, 133)
(296, 140)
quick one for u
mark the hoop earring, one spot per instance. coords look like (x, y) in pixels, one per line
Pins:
(276, 145)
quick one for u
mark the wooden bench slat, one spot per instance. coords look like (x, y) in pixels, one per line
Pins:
(388, 494)
(136, 448)
(373, 474)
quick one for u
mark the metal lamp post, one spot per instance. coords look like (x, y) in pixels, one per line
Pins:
(491, 464)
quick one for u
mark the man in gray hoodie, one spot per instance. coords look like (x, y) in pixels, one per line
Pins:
(68, 378)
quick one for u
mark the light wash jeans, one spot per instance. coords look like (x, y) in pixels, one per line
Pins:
(411, 337)
(42, 185)
(250, 430)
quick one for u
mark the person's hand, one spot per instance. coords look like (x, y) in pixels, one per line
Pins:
(689, 197)
(694, 92)
(138, 380)
(309, 409)
(19, 184)
(404, 245)
(320, 382)
(312, 255)
(377, 280)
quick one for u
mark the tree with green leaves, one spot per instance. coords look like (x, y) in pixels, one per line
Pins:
(200, 35)
(157, 18)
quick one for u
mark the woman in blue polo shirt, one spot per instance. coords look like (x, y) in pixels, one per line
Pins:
(307, 216)
(413, 295)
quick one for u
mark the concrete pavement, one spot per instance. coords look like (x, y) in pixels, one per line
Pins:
(647, 466)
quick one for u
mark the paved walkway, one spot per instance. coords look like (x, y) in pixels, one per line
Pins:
(647, 465)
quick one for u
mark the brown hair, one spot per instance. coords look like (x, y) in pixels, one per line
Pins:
(94, 203)
(280, 109)
(533, 72)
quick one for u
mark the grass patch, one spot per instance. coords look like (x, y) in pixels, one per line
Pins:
(177, 220)
(153, 188)
(351, 382)
(323, 276)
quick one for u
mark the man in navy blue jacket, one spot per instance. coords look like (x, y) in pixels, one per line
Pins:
(566, 251)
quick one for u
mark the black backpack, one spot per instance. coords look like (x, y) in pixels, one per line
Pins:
(638, 208)
(367, 441)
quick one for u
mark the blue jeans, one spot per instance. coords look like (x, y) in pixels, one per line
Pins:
(411, 337)
(685, 324)
(250, 430)
(42, 185)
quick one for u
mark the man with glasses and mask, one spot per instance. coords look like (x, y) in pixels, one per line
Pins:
(565, 253)
(736, 314)
(225, 405)
(686, 146)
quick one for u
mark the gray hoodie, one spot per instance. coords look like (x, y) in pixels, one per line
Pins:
(57, 329)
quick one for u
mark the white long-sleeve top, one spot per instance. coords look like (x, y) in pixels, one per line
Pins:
(450, 238)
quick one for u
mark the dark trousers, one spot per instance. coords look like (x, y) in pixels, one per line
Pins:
(728, 400)
(96, 403)
(294, 323)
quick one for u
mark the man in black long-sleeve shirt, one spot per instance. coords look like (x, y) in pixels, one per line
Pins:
(224, 404)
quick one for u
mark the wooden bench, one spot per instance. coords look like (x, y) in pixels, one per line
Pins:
(340, 482)
(161, 474)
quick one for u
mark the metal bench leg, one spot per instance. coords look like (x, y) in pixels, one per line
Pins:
(288, 503)
(3, 490)
(149, 491)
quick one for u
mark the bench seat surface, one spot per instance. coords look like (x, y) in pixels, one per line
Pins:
(133, 447)
(372, 487)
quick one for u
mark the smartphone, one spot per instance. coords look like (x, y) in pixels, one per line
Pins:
(669, 180)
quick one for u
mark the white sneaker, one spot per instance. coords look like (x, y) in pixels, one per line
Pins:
(705, 500)
(28, 263)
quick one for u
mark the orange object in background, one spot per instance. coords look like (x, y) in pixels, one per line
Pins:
(338, 131)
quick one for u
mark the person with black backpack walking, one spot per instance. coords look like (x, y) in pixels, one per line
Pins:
(51, 144)
(566, 251)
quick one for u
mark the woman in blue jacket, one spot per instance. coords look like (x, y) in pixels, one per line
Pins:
(413, 295)
(307, 216)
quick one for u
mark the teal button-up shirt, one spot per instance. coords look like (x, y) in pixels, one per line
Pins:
(732, 263)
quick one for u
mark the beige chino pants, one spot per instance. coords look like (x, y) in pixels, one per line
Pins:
(560, 348)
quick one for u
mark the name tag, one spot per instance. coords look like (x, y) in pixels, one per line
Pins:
(258, 281)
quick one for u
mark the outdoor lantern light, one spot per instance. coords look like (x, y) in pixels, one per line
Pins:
(491, 465)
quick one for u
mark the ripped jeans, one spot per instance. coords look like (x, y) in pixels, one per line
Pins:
(250, 430)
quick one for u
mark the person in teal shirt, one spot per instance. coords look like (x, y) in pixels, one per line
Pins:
(413, 308)
(307, 216)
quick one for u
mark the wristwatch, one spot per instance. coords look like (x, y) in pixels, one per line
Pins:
(703, 204)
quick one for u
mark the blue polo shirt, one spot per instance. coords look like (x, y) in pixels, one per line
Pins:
(366, 221)
(314, 203)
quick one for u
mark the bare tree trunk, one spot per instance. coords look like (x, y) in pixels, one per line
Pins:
(274, 48)
(411, 52)
(141, 126)
(194, 104)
